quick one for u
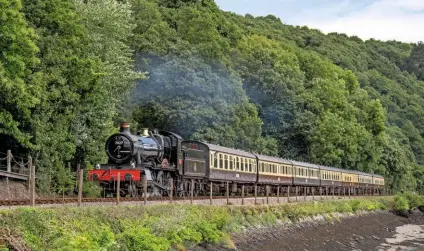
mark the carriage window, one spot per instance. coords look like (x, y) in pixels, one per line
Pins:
(211, 160)
(237, 163)
(245, 164)
(231, 162)
(226, 161)
(250, 165)
(221, 161)
(215, 160)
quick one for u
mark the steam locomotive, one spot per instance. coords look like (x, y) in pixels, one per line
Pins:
(155, 155)
(158, 158)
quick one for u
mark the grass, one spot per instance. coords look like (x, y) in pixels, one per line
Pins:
(156, 228)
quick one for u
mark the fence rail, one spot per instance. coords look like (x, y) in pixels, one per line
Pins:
(14, 167)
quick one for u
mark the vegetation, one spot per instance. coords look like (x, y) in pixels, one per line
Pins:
(70, 70)
(156, 228)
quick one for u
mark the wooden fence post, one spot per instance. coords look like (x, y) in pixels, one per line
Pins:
(9, 169)
(32, 189)
(171, 190)
(80, 183)
(9, 160)
(145, 188)
(228, 192)
(242, 194)
(211, 194)
(305, 190)
(313, 193)
(256, 192)
(326, 193)
(191, 191)
(320, 193)
(297, 190)
(278, 194)
(288, 193)
(267, 194)
(118, 188)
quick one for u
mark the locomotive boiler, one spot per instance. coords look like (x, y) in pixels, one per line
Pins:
(127, 150)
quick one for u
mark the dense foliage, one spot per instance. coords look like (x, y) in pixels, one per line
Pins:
(68, 70)
(329, 99)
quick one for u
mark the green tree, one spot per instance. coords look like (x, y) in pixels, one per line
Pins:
(20, 89)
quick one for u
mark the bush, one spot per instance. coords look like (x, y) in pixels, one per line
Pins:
(401, 204)
(136, 237)
(414, 200)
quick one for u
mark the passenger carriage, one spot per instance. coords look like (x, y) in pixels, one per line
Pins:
(349, 178)
(378, 181)
(365, 180)
(221, 163)
(330, 176)
(274, 171)
(305, 174)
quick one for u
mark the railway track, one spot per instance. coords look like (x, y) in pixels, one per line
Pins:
(67, 200)
(151, 200)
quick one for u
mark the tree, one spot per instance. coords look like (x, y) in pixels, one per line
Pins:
(20, 89)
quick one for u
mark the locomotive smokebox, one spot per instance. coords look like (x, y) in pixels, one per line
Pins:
(125, 127)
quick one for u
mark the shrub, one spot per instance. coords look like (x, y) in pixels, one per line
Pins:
(414, 200)
(401, 204)
(136, 237)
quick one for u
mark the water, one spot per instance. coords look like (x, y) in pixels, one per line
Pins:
(407, 237)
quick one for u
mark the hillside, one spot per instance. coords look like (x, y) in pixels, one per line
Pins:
(329, 99)
(70, 70)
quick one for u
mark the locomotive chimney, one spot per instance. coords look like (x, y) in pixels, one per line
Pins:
(125, 128)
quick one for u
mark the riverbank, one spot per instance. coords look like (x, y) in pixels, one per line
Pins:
(160, 227)
(380, 230)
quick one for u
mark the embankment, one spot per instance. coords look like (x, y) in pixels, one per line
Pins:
(159, 227)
